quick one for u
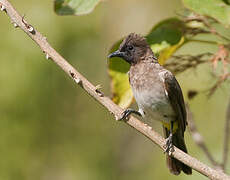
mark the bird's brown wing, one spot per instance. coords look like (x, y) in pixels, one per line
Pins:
(176, 99)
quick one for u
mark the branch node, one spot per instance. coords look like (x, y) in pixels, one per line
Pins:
(28, 26)
(170, 153)
(2, 8)
(72, 74)
(77, 80)
(47, 56)
(31, 29)
(15, 24)
(98, 91)
(117, 118)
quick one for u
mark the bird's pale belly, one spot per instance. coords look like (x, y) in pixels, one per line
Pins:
(154, 106)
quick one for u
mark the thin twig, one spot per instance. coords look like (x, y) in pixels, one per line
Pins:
(226, 137)
(181, 63)
(107, 102)
(203, 41)
(220, 81)
(198, 138)
(205, 20)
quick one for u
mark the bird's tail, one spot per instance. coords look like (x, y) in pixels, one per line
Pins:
(174, 165)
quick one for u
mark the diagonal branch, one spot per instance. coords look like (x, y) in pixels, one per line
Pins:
(198, 138)
(100, 98)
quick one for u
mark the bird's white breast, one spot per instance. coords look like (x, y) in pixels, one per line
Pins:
(147, 82)
(153, 103)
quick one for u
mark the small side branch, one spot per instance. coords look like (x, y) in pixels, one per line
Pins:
(198, 138)
(181, 63)
(89, 88)
(226, 137)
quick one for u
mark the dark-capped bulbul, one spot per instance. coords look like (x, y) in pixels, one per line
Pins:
(157, 93)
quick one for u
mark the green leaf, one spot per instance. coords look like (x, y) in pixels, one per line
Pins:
(164, 39)
(217, 9)
(227, 1)
(118, 68)
(166, 53)
(74, 7)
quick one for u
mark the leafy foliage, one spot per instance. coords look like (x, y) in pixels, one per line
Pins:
(169, 35)
(74, 7)
(217, 9)
(165, 39)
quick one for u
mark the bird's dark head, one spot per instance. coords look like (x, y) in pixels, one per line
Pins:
(133, 49)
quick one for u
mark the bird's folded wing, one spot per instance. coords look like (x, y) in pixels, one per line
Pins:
(174, 93)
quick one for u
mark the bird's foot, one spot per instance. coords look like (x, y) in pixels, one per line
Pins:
(169, 148)
(127, 113)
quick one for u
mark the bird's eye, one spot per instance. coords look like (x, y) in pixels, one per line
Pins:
(130, 48)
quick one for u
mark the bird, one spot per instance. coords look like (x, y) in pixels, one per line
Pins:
(157, 94)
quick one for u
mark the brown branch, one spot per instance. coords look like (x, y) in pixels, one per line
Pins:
(103, 100)
(220, 81)
(226, 137)
(181, 63)
(198, 138)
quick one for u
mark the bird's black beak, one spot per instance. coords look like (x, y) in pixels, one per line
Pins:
(116, 54)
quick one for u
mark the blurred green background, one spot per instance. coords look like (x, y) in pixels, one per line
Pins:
(51, 129)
